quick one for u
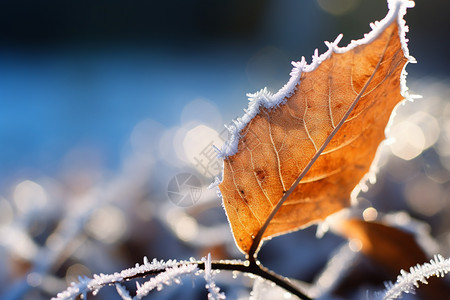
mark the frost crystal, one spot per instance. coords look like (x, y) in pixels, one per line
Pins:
(166, 278)
(397, 9)
(214, 291)
(122, 291)
(168, 269)
(75, 289)
(408, 282)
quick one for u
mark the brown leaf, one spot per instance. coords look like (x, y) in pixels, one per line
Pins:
(316, 144)
(391, 248)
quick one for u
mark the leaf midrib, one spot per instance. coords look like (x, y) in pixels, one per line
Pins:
(257, 240)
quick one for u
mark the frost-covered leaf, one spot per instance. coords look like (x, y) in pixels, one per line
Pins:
(297, 155)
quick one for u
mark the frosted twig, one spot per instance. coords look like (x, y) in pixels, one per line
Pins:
(214, 290)
(166, 278)
(123, 292)
(93, 285)
(408, 282)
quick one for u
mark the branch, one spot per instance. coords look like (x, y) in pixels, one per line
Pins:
(156, 268)
(252, 268)
(407, 282)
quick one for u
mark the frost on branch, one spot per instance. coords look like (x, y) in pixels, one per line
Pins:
(408, 282)
(214, 291)
(123, 292)
(170, 271)
(166, 278)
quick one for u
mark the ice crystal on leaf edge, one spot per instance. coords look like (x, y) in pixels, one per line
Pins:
(397, 9)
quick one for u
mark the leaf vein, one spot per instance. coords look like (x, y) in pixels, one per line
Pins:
(238, 190)
(306, 127)
(280, 175)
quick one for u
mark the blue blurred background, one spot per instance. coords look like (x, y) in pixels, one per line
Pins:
(84, 73)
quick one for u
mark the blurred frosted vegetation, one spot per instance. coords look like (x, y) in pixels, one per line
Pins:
(101, 104)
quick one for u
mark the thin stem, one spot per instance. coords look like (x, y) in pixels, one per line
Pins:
(246, 267)
(282, 282)
(258, 269)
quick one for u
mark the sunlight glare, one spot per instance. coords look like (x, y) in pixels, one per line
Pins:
(370, 214)
(409, 140)
(425, 196)
(198, 146)
(355, 245)
(107, 224)
(28, 196)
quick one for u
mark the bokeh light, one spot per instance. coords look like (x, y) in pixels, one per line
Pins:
(29, 195)
(76, 270)
(370, 214)
(409, 140)
(185, 227)
(200, 140)
(425, 196)
(6, 212)
(107, 224)
(355, 245)
(34, 279)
